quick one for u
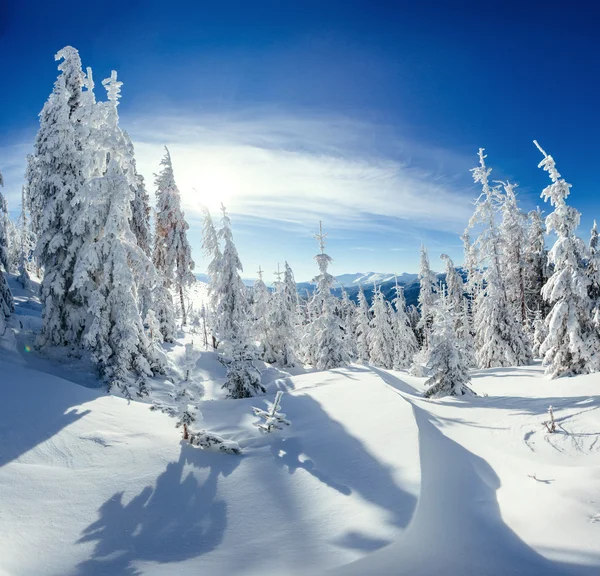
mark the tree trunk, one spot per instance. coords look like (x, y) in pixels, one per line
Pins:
(183, 316)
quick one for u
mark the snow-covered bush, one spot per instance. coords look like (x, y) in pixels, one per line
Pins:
(243, 379)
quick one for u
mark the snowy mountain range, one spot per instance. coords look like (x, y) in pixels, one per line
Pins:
(351, 282)
(346, 280)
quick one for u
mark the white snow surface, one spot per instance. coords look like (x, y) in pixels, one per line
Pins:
(370, 478)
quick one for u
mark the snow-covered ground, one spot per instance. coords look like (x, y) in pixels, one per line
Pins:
(369, 479)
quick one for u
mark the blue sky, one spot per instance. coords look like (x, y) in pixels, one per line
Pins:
(365, 114)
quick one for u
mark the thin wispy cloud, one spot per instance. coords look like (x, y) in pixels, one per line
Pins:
(296, 170)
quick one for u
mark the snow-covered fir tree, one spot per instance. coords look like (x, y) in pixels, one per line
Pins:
(282, 313)
(172, 253)
(537, 270)
(454, 283)
(447, 359)
(26, 243)
(212, 251)
(500, 339)
(57, 171)
(324, 337)
(291, 314)
(261, 318)
(381, 336)
(110, 265)
(513, 261)
(231, 315)
(593, 272)
(152, 327)
(427, 297)
(140, 204)
(363, 324)
(470, 266)
(6, 299)
(114, 330)
(243, 378)
(540, 333)
(572, 345)
(348, 319)
(455, 295)
(231, 320)
(405, 342)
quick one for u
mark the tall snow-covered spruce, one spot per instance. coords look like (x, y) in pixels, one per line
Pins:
(261, 325)
(324, 337)
(405, 341)
(172, 252)
(381, 336)
(500, 339)
(57, 171)
(282, 312)
(232, 320)
(363, 323)
(6, 299)
(110, 265)
(447, 359)
(212, 251)
(427, 298)
(572, 344)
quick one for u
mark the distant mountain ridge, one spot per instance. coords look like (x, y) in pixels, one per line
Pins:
(352, 283)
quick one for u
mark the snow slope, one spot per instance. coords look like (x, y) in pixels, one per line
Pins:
(369, 479)
(93, 485)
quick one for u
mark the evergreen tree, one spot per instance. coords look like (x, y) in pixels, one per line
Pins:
(57, 171)
(405, 342)
(6, 299)
(348, 320)
(282, 313)
(471, 259)
(500, 340)
(381, 337)
(454, 284)
(26, 243)
(261, 318)
(172, 252)
(447, 359)
(513, 260)
(292, 311)
(540, 333)
(232, 309)
(460, 309)
(140, 205)
(212, 250)
(110, 266)
(363, 323)
(536, 269)
(324, 337)
(114, 331)
(593, 272)
(572, 344)
(427, 297)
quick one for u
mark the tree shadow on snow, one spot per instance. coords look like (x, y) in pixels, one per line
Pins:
(342, 462)
(37, 411)
(457, 527)
(177, 519)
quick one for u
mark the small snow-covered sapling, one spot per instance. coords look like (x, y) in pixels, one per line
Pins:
(191, 357)
(273, 418)
(550, 426)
